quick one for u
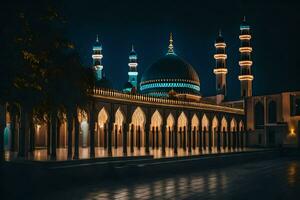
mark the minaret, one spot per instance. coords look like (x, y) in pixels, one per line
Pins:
(97, 59)
(133, 73)
(220, 69)
(245, 62)
(171, 46)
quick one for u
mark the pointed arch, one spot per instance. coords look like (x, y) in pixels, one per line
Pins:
(195, 122)
(82, 115)
(205, 122)
(102, 117)
(241, 125)
(84, 126)
(233, 124)
(170, 121)
(156, 120)
(137, 126)
(182, 120)
(138, 117)
(117, 138)
(215, 122)
(224, 124)
(119, 117)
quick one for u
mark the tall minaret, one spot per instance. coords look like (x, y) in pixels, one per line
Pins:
(97, 59)
(220, 69)
(245, 62)
(133, 73)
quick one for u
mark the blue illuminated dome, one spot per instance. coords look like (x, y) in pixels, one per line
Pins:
(170, 72)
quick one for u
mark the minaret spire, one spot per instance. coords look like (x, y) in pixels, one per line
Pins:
(171, 46)
(97, 59)
(245, 62)
(132, 73)
(220, 69)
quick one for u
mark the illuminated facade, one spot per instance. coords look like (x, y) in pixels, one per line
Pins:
(164, 114)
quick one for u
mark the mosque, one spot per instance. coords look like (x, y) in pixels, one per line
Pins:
(164, 113)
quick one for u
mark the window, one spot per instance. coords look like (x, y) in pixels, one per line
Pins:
(272, 112)
(259, 115)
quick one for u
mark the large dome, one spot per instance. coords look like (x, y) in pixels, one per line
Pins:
(170, 72)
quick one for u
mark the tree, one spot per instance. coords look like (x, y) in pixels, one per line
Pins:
(45, 75)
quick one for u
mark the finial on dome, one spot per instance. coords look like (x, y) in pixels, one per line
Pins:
(171, 47)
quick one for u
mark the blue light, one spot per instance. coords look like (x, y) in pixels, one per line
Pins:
(170, 85)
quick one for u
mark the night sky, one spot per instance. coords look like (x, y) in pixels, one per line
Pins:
(195, 25)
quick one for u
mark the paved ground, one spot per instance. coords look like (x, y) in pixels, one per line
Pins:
(273, 179)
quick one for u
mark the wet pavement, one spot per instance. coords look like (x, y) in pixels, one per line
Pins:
(272, 179)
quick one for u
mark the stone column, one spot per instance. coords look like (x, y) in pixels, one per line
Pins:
(200, 139)
(125, 129)
(70, 130)
(184, 138)
(139, 137)
(132, 138)
(54, 121)
(170, 137)
(189, 132)
(180, 137)
(76, 137)
(194, 137)
(105, 132)
(13, 131)
(109, 141)
(163, 138)
(224, 138)
(229, 136)
(234, 138)
(92, 132)
(153, 133)
(204, 138)
(210, 137)
(175, 139)
(156, 138)
(32, 134)
(116, 136)
(219, 137)
(238, 139)
(48, 135)
(242, 137)
(147, 141)
(22, 129)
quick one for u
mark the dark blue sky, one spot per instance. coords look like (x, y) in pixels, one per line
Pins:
(195, 25)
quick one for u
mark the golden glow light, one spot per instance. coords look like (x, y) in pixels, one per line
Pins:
(245, 49)
(220, 45)
(245, 77)
(220, 71)
(220, 56)
(245, 63)
(292, 132)
(245, 37)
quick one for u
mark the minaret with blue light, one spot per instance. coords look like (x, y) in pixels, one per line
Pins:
(220, 69)
(245, 61)
(133, 73)
(97, 59)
